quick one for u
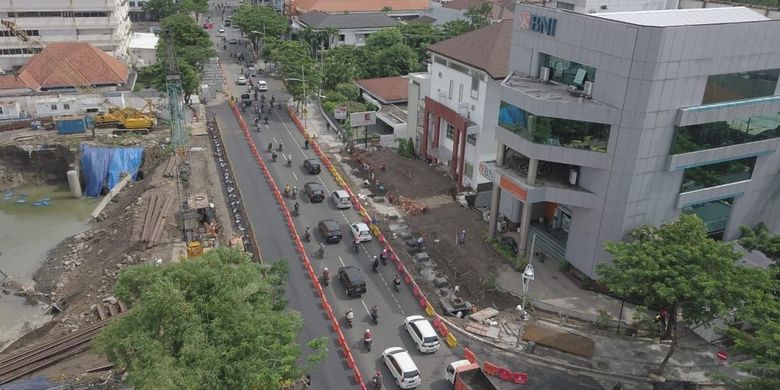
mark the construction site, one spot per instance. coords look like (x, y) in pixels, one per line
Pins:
(159, 188)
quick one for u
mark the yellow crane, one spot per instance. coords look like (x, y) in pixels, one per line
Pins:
(123, 117)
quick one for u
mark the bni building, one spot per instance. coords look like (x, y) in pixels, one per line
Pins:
(611, 121)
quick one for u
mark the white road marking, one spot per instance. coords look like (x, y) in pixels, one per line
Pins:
(295, 176)
(341, 261)
(365, 307)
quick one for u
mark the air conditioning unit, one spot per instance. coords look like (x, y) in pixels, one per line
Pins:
(501, 226)
(572, 89)
(587, 89)
(544, 74)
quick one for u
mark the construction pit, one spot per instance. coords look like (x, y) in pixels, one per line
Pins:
(141, 224)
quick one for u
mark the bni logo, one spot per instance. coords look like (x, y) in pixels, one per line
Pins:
(540, 24)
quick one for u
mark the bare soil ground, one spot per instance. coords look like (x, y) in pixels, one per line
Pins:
(472, 266)
(83, 269)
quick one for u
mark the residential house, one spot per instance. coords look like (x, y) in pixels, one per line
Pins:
(347, 29)
(390, 94)
(143, 49)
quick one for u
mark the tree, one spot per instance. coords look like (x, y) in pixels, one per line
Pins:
(159, 9)
(213, 322)
(198, 7)
(185, 32)
(677, 268)
(761, 347)
(456, 27)
(342, 64)
(190, 78)
(396, 60)
(419, 36)
(263, 19)
(761, 239)
(479, 16)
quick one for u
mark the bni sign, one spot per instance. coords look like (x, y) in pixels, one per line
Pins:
(536, 23)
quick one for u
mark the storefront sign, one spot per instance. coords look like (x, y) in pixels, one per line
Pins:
(340, 113)
(362, 118)
(508, 185)
(487, 170)
(536, 23)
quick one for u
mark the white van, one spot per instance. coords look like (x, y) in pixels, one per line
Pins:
(422, 334)
(341, 199)
(401, 366)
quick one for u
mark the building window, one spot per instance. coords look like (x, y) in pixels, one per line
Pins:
(459, 68)
(712, 175)
(460, 93)
(452, 86)
(474, 86)
(132, 3)
(554, 131)
(440, 61)
(738, 86)
(725, 133)
(472, 139)
(66, 106)
(342, 37)
(450, 131)
(566, 6)
(468, 170)
(53, 107)
(714, 213)
(568, 72)
(1, 111)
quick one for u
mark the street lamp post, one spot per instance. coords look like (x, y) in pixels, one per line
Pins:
(305, 110)
(528, 277)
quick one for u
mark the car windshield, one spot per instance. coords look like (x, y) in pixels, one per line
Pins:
(430, 340)
(411, 374)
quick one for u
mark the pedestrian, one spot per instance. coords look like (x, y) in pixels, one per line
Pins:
(420, 242)
(327, 126)
(462, 237)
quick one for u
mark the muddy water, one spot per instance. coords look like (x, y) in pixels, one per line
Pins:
(27, 232)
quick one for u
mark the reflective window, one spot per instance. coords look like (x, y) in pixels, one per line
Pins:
(554, 131)
(568, 72)
(712, 175)
(714, 213)
(725, 133)
(738, 86)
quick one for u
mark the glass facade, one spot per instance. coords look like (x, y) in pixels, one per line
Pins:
(714, 213)
(554, 131)
(712, 175)
(568, 72)
(739, 86)
(725, 133)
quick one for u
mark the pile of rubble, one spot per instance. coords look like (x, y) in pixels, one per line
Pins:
(411, 207)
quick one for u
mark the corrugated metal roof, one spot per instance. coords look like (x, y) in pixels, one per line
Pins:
(685, 17)
(144, 41)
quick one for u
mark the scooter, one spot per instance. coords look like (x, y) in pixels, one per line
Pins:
(397, 285)
(307, 235)
(296, 210)
(368, 343)
(355, 246)
(325, 278)
(375, 266)
(377, 380)
(374, 313)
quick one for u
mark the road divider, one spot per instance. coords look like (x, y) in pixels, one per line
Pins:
(299, 244)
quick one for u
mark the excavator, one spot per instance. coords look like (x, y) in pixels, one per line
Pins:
(128, 118)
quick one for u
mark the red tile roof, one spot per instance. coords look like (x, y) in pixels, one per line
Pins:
(11, 82)
(340, 6)
(488, 48)
(93, 64)
(387, 90)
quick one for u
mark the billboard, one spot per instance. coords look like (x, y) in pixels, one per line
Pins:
(362, 118)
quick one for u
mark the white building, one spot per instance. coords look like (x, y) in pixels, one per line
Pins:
(143, 49)
(351, 29)
(103, 23)
(462, 102)
(600, 6)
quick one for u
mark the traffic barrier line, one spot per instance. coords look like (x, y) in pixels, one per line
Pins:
(297, 240)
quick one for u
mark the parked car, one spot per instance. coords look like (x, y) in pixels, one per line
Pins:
(422, 333)
(330, 230)
(402, 367)
(315, 192)
(341, 199)
(262, 86)
(312, 166)
(353, 280)
(361, 232)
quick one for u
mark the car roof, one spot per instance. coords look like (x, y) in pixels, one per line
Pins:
(403, 358)
(423, 325)
(313, 184)
(341, 193)
(329, 222)
(312, 160)
(361, 225)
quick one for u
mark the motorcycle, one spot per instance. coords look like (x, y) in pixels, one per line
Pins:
(374, 312)
(355, 246)
(270, 146)
(273, 156)
(325, 278)
(377, 380)
(368, 343)
(289, 161)
(281, 146)
(397, 284)
(321, 251)
(296, 210)
(383, 256)
(306, 144)
(350, 318)
(375, 266)
(307, 235)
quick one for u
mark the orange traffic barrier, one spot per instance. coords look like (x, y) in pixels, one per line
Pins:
(520, 378)
(504, 374)
(423, 302)
(416, 291)
(489, 368)
(468, 354)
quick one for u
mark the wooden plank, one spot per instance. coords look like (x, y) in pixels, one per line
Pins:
(148, 217)
(101, 312)
(484, 314)
(560, 340)
(122, 307)
(111, 194)
(112, 309)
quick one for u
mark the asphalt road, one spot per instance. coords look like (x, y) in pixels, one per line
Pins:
(274, 241)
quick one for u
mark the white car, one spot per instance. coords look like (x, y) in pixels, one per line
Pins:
(262, 86)
(402, 367)
(361, 232)
(241, 80)
(422, 333)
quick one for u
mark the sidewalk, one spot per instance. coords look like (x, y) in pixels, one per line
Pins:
(553, 292)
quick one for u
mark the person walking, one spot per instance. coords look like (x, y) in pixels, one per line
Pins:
(462, 237)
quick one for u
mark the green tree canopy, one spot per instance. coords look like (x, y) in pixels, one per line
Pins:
(262, 19)
(761, 239)
(676, 267)
(395, 60)
(759, 344)
(214, 322)
(455, 27)
(342, 64)
(159, 9)
(479, 16)
(185, 31)
(419, 36)
(198, 7)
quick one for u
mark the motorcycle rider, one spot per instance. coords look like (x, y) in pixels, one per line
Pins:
(376, 264)
(374, 312)
(350, 316)
(273, 156)
(384, 256)
(281, 146)
(377, 379)
(307, 234)
(397, 282)
(306, 144)
(322, 250)
(325, 276)
(289, 160)
(287, 189)
(297, 208)
(355, 245)
(367, 340)
(270, 146)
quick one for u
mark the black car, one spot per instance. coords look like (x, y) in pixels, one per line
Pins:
(353, 280)
(330, 230)
(314, 191)
(312, 166)
(246, 99)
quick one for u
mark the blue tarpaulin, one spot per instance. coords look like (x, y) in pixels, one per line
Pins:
(101, 165)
